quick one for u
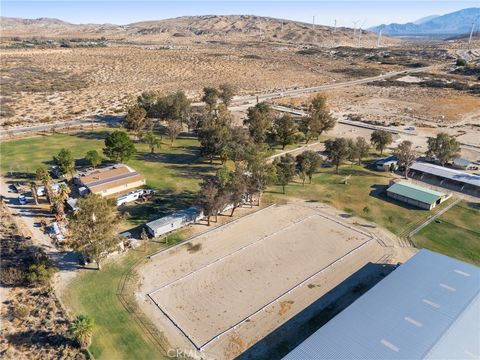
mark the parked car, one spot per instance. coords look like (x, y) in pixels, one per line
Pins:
(15, 188)
(22, 199)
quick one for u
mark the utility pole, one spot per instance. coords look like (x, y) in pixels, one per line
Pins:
(313, 23)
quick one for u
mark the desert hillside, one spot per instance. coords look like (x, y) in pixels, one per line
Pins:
(190, 29)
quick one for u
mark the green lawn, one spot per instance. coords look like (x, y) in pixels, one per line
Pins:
(456, 234)
(363, 196)
(116, 335)
(174, 171)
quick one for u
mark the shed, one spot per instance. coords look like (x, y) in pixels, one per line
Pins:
(416, 195)
(174, 221)
(427, 308)
(387, 163)
(463, 164)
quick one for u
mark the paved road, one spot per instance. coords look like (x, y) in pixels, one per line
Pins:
(239, 102)
(35, 129)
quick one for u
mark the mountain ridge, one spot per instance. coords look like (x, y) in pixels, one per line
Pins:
(454, 23)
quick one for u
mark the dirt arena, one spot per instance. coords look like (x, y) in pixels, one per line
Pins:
(227, 289)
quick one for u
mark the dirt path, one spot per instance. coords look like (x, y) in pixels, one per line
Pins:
(28, 217)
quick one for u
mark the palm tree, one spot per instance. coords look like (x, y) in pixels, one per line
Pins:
(33, 187)
(59, 200)
(81, 329)
(46, 179)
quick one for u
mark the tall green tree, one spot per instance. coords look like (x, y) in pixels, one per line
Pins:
(307, 164)
(174, 127)
(406, 155)
(136, 118)
(261, 172)
(259, 121)
(148, 100)
(226, 93)
(215, 134)
(211, 198)
(285, 170)
(381, 139)
(94, 227)
(94, 158)
(119, 147)
(65, 161)
(284, 130)
(152, 140)
(318, 120)
(210, 97)
(175, 106)
(444, 147)
(236, 188)
(359, 149)
(337, 151)
(81, 329)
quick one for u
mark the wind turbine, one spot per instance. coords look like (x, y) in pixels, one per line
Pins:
(471, 32)
(355, 27)
(360, 31)
(379, 37)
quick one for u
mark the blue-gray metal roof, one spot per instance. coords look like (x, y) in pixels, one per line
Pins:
(428, 308)
(447, 173)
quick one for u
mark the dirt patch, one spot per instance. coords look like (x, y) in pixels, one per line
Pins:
(285, 306)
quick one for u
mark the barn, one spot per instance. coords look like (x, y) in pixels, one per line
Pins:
(427, 308)
(416, 195)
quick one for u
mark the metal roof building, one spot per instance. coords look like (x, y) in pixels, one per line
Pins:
(174, 221)
(446, 173)
(428, 308)
(415, 195)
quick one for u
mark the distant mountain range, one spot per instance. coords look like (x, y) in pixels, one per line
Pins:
(188, 29)
(455, 23)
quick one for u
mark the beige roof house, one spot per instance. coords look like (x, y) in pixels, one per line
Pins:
(112, 180)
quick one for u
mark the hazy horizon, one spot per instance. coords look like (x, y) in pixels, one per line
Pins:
(346, 13)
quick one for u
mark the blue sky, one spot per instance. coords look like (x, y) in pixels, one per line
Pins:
(345, 12)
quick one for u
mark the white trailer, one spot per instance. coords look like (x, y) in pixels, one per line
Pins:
(133, 196)
(55, 187)
(174, 221)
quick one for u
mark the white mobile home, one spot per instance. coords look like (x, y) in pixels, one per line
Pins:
(174, 221)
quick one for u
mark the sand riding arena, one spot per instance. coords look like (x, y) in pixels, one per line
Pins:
(226, 289)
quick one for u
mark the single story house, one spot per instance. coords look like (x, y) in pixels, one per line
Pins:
(174, 221)
(416, 195)
(111, 180)
(386, 164)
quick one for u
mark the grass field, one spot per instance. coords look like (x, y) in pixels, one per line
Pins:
(457, 234)
(116, 335)
(363, 196)
(174, 171)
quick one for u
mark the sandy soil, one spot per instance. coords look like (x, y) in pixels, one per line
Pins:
(238, 271)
